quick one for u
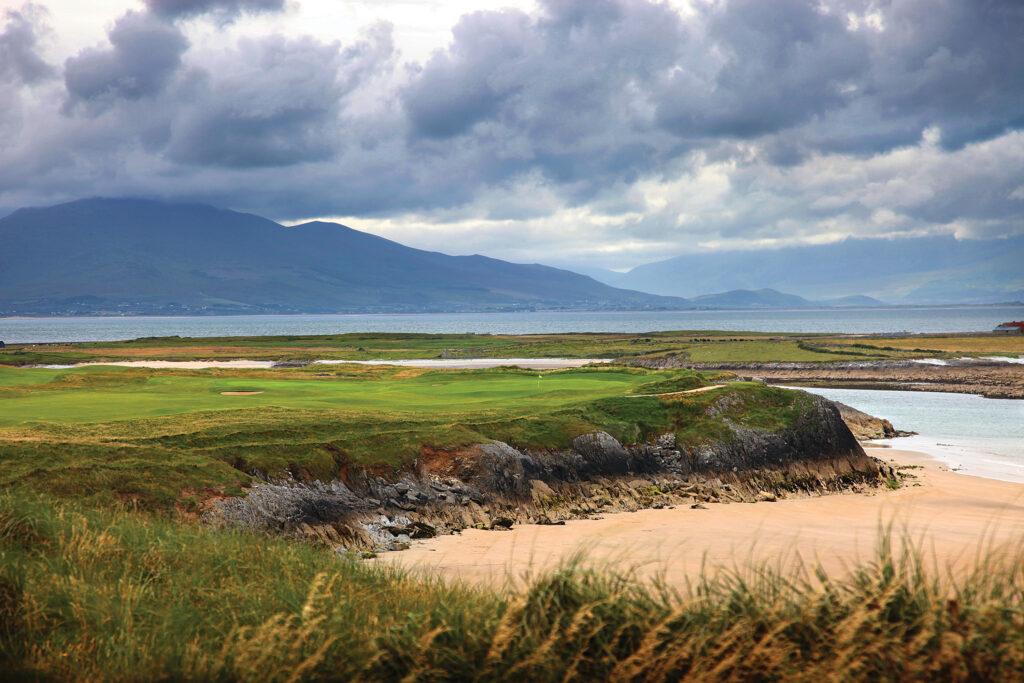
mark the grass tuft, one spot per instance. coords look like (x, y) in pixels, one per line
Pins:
(124, 596)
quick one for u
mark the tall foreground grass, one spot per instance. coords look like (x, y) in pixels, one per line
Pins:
(122, 596)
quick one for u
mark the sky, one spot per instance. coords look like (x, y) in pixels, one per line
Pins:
(596, 133)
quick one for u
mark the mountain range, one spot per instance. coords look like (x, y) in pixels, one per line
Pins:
(914, 270)
(131, 256)
(137, 256)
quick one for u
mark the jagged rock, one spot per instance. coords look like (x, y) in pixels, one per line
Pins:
(540, 491)
(698, 506)
(603, 452)
(867, 427)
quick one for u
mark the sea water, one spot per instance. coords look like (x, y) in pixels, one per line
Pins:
(971, 434)
(829, 320)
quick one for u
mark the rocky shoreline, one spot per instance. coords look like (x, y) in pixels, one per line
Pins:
(495, 485)
(868, 427)
(991, 379)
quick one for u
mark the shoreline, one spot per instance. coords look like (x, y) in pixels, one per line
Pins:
(952, 517)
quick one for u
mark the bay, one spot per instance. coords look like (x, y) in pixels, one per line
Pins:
(972, 434)
(833, 320)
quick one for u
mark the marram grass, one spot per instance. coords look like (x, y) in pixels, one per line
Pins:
(87, 595)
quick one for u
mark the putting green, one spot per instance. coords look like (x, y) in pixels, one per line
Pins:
(101, 394)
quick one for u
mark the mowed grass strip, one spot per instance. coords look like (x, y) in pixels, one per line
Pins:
(102, 394)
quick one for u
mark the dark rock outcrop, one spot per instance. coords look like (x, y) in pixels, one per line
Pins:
(867, 427)
(494, 485)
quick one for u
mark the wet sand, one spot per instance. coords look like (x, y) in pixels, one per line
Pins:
(952, 516)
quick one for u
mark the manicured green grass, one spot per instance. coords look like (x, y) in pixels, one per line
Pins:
(103, 394)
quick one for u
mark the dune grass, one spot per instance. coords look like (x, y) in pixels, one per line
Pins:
(119, 595)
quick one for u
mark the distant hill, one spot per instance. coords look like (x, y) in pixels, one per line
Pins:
(745, 298)
(127, 256)
(770, 298)
(923, 270)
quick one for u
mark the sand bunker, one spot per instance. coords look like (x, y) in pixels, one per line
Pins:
(240, 393)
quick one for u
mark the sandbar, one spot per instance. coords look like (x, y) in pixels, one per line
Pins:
(480, 363)
(173, 364)
(952, 517)
(436, 363)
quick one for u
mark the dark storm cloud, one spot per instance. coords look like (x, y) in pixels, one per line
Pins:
(566, 92)
(598, 93)
(580, 101)
(19, 57)
(462, 86)
(143, 55)
(224, 8)
(957, 65)
(784, 62)
(274, 102)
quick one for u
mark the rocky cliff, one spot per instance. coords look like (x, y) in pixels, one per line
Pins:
(495, 485)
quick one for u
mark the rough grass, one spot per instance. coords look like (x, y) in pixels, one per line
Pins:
(697, 346)
(708, 346)
(122, 596)
(1010, 345)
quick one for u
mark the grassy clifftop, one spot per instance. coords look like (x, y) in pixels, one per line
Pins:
(170, 438)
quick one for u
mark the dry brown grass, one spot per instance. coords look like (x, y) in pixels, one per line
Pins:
(974, 344)
(120, 596)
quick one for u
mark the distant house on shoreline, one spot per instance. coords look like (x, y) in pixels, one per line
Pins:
(1010, 328)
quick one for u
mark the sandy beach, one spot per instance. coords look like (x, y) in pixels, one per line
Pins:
(951, 516)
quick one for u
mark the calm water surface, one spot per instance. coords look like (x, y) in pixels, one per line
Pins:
(852, 321)
(980, 436)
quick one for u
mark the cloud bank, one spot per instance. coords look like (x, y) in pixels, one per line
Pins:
(605, 132)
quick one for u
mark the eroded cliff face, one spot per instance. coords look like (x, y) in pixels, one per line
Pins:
(495, 485)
